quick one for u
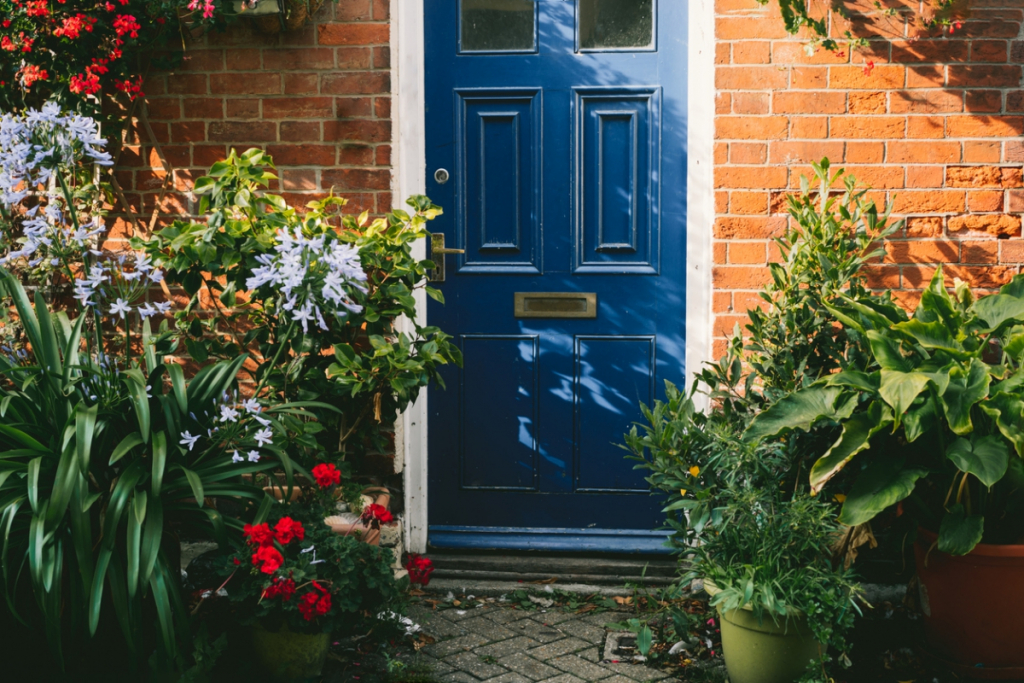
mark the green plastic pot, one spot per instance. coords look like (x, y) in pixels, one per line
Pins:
(766, 652)
(288, 656)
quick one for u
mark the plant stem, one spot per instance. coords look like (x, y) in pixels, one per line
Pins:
(287, 336)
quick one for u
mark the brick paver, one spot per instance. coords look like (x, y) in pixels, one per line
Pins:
(498, 644)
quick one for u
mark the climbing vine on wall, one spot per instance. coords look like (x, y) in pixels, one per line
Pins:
(825, 23)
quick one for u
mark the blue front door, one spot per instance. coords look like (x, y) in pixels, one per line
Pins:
(556, 144)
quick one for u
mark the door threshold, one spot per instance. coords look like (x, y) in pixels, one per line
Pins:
(524, 569)
(617, 541)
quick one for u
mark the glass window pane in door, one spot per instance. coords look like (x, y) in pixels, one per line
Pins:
(498, 25)
(616, 24)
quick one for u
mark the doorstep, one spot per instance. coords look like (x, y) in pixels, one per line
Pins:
(494, 573)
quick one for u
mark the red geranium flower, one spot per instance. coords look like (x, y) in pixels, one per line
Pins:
(286, 529)
(326, 475)
(315, 603)
(375, 515)
(270, 558)
(282, 588)
(260, 534)
(420, 568)
(126, 24)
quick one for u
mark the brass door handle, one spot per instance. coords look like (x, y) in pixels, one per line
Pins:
(437, 248)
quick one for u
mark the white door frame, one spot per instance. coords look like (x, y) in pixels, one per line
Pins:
(409, 177)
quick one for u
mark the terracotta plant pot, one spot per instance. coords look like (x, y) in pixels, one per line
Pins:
(973, 607)
(287, 656)
(767, 651)
(358, 529)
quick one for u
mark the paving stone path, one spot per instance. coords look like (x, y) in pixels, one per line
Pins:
(499, 644)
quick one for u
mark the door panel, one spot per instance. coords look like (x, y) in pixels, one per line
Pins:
(618, 136)
(498, 137)
(557, 120)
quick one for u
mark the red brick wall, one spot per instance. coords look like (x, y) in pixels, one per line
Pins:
(935, 127)
(319, 100)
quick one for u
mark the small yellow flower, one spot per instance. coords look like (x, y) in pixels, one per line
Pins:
(694, 471)
(682, 492)
(840, 498)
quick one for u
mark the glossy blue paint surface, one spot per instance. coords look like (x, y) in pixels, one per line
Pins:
(568, 174)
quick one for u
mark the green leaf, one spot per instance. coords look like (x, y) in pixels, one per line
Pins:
(127, 443)
(960, 532)
(919, 420)
(856, 436)
(644, 640)
(196, 483)
(85, 430)
(964, 391)
(887, 352)
(999, 309)
(933, 335)
(899, 389)
(1008, 412)
(987, 458)
(883, 483)
(159, 461)
(801, 410)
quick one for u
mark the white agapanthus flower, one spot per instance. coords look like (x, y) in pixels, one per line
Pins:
(34, 146)
(312, 276)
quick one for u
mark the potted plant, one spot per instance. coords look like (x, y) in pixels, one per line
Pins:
(933, 420)
(298, 583)
(744, 517)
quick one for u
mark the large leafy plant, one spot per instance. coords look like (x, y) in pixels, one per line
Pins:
(269, 272)
(935, 418)
(97, 464)
(743, 514)
(107, 449)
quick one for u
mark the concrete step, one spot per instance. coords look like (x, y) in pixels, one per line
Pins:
(470, 568)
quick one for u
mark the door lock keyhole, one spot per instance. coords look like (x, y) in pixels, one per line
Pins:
(441, 176)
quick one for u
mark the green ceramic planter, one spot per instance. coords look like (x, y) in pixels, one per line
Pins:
(287, 656)
(767, 652)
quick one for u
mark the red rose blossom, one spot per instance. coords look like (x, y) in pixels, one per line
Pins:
(286, 529)
(326, 475)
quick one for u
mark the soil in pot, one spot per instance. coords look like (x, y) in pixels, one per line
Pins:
(288, 656)
(973, 607)
(766, 652)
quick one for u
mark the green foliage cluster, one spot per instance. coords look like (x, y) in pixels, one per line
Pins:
(798, 15)
(94, 476)
(368, 367)
(934, 416)
(359, 577)
(742, 511)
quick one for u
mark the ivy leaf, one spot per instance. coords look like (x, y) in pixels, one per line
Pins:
(987, 458)
(881, 484)
(960, 532)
